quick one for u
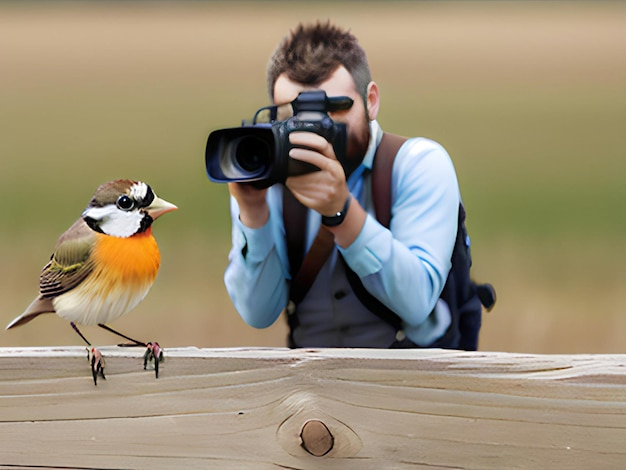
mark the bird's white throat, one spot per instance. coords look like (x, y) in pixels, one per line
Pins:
(115, 222)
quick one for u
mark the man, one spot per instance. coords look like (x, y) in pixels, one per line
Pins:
(405, 267)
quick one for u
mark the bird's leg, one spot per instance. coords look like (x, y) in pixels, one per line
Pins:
(133, 341)
(93, 356)
(79, 333)
(153, 350)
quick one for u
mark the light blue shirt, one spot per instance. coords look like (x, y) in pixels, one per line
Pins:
(405, 266)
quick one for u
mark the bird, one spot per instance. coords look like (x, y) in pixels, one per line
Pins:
(103, 266)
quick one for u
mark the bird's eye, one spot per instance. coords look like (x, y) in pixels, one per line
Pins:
(125, 203)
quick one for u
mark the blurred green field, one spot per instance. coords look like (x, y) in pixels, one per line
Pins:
(529, 99)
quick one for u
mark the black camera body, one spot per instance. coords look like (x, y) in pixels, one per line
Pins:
(259, 153)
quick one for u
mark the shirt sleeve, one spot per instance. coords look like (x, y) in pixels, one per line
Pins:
(406, 266)
(256, 277)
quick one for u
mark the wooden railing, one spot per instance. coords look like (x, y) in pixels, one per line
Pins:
(327, 408)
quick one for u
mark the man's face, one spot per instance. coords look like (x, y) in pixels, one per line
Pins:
(340, 83)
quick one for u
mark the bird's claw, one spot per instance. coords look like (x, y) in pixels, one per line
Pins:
(97, 364)
(152, 357)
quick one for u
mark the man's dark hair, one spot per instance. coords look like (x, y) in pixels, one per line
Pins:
(311, 53)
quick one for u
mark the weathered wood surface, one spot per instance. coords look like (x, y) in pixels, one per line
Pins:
(246, 408)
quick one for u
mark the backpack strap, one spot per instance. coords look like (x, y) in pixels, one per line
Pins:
(462, 293)
(294, 218)
(381, 195)
(381, 175)
(303, 269)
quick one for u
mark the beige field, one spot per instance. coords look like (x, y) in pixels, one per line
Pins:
(530, 100)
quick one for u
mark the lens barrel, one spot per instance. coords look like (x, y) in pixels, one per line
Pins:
(241, 154)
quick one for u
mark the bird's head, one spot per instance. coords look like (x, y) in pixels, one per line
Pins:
(123, 208)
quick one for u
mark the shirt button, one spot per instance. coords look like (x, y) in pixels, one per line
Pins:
(340, 294)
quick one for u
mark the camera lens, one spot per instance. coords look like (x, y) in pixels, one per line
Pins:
(252, 154)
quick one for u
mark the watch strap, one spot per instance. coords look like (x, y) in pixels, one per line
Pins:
(334, 220)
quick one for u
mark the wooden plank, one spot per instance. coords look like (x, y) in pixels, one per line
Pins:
(246, 408)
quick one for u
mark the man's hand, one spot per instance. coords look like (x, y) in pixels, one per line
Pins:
(324, 191)
(253, 209)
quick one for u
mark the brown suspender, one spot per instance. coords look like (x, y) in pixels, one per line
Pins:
(317, 255)
(381, 175)
(304, 271)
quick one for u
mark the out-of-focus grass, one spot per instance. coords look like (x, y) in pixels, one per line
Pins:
(528, 99)
(533, 162)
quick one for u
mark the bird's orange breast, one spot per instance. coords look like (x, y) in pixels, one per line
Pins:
(123, 272)
(134, 260)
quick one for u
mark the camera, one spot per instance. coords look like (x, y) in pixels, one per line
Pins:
(258, 153)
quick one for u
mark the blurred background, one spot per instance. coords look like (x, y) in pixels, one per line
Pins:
(529, 98)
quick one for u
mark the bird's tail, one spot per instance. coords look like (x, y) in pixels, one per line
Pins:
(40, 305)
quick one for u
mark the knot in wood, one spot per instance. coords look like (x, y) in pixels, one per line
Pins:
(316, 438)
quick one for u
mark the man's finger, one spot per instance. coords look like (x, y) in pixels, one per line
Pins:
(313, 157)
(314, 142)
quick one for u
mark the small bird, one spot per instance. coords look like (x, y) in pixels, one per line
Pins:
(104, 265)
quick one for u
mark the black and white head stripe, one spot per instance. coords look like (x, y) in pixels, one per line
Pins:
(142, 194)
(116, 208)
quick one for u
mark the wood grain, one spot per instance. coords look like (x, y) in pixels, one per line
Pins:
(246, 408)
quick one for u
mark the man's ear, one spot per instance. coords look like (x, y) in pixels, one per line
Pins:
(373, 100)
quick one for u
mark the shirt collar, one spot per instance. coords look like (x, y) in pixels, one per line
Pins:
(376, 134)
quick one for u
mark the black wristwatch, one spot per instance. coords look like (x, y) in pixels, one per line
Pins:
(334, 220)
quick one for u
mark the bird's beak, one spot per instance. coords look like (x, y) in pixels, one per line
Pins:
(159, 207)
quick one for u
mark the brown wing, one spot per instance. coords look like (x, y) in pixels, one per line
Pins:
(69, 264)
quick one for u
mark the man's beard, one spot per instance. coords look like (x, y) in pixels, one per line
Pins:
(356, 148)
